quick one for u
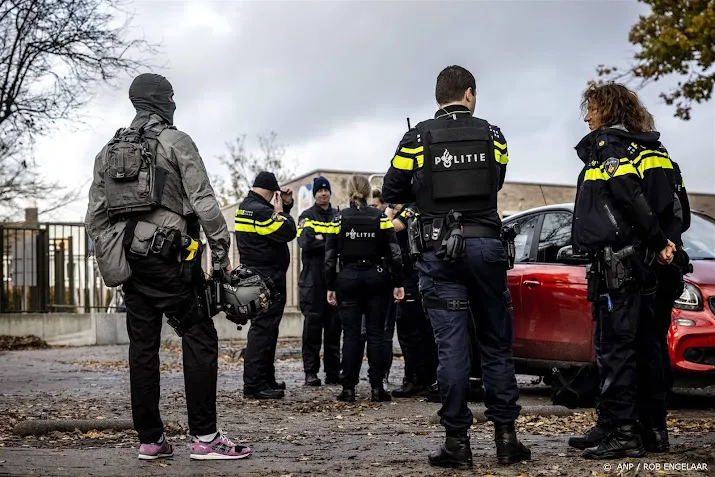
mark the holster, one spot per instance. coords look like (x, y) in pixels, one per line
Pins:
(415, 240)
(594, 276)
(616, 269)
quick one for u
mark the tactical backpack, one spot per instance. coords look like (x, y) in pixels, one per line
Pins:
(133, 182)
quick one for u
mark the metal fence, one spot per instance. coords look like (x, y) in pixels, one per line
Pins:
(50, 268)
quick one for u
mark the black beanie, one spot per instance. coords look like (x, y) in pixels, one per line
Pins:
(266, 180)
(321, 182)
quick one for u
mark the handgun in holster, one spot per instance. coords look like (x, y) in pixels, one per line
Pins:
(616, 270)
(594, 274)
(415, 241)
(508, 235)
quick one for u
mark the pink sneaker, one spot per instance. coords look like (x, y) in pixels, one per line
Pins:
(156, 451)
(219, 448)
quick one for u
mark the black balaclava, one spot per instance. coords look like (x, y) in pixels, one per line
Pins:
(151, 92)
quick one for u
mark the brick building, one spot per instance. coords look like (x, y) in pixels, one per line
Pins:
(514, 197)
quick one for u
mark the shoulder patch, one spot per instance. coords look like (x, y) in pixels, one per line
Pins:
(302, 222)
(277, 217)
(611, 166)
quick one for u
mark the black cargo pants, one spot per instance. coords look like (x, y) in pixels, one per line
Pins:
(156, 289)
(322, 323)
(259, 370)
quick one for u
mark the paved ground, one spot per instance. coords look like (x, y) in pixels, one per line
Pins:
(306, 433)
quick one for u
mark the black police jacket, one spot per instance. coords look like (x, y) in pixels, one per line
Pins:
(405, 179)
(262, 234)
(662, 183)
(311, 223)
(610, 207)
(386, 241)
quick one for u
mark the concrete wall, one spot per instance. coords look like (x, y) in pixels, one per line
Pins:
(78, 329)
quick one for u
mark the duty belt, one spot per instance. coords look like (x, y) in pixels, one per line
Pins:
(480, 231)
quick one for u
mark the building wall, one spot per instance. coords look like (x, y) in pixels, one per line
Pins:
(514, 197)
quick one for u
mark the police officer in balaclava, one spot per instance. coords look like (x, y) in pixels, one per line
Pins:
(150, 185)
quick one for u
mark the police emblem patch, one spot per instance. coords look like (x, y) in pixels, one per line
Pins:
(278, 217)
(611, 166)
(301, 223)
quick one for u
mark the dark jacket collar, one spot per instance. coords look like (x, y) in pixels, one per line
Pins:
(586, 146)
(451, 111)
(259, 198)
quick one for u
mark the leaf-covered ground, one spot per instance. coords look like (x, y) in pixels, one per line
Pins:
(306, 433)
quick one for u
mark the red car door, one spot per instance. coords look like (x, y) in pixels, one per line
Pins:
(523, 244)
(555, 315)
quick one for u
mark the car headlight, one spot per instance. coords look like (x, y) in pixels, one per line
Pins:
(690, 299)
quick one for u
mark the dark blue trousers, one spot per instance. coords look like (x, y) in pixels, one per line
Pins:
(479, 277)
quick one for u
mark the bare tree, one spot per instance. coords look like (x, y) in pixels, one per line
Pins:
(53, 53)
(243, 167)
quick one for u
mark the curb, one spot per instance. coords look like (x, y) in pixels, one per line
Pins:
(544, 410)
(39, 427)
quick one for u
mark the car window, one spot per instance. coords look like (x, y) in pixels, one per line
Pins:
(699, 239)
(555, 234)
(523, 241)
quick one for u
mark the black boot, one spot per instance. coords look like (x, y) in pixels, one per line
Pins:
(509, 449)
(592, 437)
(347, 395)
(379, 395)
(267, 393)
(624, 441)
(312, 379)
(432, 393)
(655, 439)
(408, 389)
(455, 452)
(278, 385)
(332, 379)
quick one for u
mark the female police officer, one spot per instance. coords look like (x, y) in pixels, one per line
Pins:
(363, 237)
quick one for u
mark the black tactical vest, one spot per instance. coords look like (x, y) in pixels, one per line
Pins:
(359, 236)
(135, 177)
(460, 170)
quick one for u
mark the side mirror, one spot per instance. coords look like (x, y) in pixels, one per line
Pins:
(566, 255)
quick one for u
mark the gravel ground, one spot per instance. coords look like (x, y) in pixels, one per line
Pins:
(306, 433)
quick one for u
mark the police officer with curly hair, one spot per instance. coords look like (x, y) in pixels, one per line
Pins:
(624, 232)
(452, 167)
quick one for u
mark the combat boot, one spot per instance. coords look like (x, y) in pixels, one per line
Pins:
(455, 452)
(347, 395)
(624, 441)
(379, 395)
(655, 439)
(593, 436)
(408, 389)
(312, 379)
(509, 449)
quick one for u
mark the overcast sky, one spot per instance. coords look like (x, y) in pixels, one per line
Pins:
(336, 80)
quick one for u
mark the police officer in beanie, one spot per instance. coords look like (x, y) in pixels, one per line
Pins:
(624, 233)
(452, 167)
(321, 319)
(264, 227)
(149, 189)
(365, 249)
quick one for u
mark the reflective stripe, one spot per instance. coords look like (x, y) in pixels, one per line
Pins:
(501, 157)
(265, 227)
(405, 159)
(318, 226)
(599, 174)
(403, 163)
(649, 159)
(500, 146)
(414, 151)
(385, 223)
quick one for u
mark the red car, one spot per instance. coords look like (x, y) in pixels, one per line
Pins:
(553, 327)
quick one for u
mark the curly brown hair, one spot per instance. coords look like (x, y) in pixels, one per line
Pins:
(616, 104)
